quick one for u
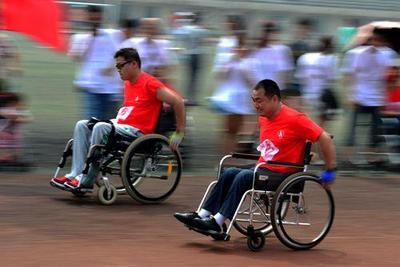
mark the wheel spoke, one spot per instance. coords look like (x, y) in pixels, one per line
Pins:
(153, 169)
(308, 205)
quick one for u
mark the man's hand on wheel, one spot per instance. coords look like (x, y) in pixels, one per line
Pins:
(175, 140)
(328, 177)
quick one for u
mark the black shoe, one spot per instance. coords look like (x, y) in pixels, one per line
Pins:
(207, 225)
(186, 217)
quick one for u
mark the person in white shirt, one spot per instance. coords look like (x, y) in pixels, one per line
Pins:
(193, 37)
(232, 96)
(316, 72)
(364, 76)
(227, 43)
(157, 58)
(270, 60)
(94, 51)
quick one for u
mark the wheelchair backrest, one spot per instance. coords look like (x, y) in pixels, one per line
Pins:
(307, 153)
(166, 121)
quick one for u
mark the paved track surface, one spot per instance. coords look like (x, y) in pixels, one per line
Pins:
(41, 226)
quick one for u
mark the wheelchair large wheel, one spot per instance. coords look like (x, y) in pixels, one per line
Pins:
(309, 215)
(150, 169)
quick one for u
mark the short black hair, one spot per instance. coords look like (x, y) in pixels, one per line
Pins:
(129, 54)
(129, 23)
(305, 23)
(270, 88)
(238, 22)
(8, 98)
(94, 9)
(269, 27)
(197, 17)
(326, 44)
(381, 32)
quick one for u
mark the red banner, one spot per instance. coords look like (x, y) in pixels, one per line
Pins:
(40, 19)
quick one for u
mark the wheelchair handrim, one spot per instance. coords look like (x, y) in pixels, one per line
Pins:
(278, 220)
(132, 186)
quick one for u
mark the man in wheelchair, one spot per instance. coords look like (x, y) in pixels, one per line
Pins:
(144, 96)
(283, 134)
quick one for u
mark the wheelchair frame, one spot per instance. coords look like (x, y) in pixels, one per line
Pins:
(279, 207)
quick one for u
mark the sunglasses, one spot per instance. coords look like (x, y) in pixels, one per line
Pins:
(119, 66)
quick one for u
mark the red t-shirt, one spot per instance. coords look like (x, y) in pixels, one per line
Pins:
(283, 138)
(392, 76)
(394, 95)
(141, 108)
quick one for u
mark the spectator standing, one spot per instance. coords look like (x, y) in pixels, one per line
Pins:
(9, 61)
(232, 96)
(193, 37)
(13, 113)
(271, 60)
(155, 51)
(364, 77)
(316, 72)
(101, 87)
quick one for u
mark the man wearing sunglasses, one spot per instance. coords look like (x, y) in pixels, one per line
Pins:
(143, 99)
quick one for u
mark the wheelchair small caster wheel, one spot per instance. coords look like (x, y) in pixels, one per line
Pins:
(256, 243)
(107, 197)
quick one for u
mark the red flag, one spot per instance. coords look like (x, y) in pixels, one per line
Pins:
(40, 19)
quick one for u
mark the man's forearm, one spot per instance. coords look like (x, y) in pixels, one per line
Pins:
(179, 109)
(328, 150)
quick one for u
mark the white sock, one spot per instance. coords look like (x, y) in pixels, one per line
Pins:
(219, 218)
(204, 213)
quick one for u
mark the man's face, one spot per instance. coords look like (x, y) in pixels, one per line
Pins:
(303, 31)
(264, 106)
(95, 19)
(150, 28)
(128, 32)
(126, 69)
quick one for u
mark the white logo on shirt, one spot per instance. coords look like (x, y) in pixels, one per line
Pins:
(137, 99)
(268, 149)
(280, 134)
(124, 112)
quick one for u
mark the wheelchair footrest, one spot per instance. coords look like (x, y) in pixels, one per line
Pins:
(213, 234)
(79, 190)
(57, 186)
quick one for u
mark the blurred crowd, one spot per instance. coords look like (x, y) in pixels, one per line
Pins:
(314, 76)
(13, 111)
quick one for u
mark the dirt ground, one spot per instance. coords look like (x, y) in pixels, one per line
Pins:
(41, 226)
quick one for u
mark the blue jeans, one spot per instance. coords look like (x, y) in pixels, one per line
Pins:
(101, 106)
(227, 193)
(84, 138)
(374, 127)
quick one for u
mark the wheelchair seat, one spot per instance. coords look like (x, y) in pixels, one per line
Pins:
(270, 181)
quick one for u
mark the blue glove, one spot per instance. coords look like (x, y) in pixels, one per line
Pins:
(328, 176)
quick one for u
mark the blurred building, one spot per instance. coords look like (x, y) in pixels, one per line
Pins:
(328, 15)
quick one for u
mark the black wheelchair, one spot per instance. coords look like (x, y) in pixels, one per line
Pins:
(149, 169)
(298, 208)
